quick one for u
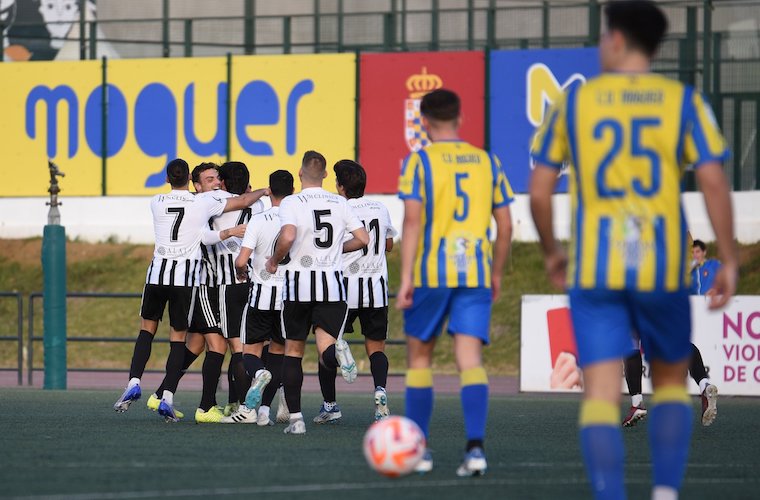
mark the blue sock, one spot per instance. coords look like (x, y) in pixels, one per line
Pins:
(474, 395)
(419, 397)
(602, 447)
(669, 435)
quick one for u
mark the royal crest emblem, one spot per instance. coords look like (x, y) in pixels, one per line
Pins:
(418, 86)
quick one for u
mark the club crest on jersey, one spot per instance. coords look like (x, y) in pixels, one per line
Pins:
(418, 86)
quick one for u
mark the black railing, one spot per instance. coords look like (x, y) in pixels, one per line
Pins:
(19, 337)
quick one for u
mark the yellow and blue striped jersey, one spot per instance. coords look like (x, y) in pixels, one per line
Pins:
(458, 185)
(628, 139)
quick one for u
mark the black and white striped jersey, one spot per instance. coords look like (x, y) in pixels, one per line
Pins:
(260, 236)
(220, 258)
(178, 220)
(365, 271)
(314, 270)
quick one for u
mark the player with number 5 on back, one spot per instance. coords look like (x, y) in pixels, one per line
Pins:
(628, 135)
(179, 218)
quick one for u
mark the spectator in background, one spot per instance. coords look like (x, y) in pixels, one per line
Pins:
(703, 270)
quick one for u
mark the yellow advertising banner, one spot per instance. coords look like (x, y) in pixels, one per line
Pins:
(44, 107)
(287, 105)
(160, 109)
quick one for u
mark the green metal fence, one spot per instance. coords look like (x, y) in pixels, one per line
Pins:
(713, 44)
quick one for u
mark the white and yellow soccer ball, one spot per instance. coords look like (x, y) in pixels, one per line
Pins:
(393, 446)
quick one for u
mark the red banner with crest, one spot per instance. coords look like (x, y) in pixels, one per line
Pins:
(391, 87)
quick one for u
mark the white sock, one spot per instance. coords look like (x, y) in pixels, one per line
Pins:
(664, 493)
(168, 397)
(329, 406)
(296, 416)
(703, 384)
(264, 410)
(133, 382)
(637, 399)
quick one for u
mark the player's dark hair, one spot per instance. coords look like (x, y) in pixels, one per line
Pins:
(178, 173)
(313, 165)
(441, 105)
(352, 177)
(235, 176)
(700, 244)
(642, 23)
(281, 183)
(199, 169)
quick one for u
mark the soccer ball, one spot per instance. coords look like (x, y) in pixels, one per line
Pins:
(393, 446)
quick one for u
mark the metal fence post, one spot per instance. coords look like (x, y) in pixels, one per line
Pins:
(249, 26)
(434, 25)
(737, 156)
(470, 24)
(188, 38)
(82, 26)
(20, 332)
(165, 28)
(93, 40)
(706, 35)
(2, 38)
(286, 22)
(317, 28)
(340, 25)
(30, 345)
(403, 25)
(594, 22)
(388, 31)
(491, 25)
(545, 24)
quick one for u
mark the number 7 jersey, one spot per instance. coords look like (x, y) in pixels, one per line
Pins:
(628, 139)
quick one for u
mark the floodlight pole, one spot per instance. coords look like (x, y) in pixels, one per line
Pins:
(54, 288)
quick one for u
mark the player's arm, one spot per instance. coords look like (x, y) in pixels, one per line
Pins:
(542, 184)
(388, 244)
(241, 263)
(503, 219)
(360, 240)
(410, 238)
(281, 249)
(212, 237)
(245, 200)
(713, 184)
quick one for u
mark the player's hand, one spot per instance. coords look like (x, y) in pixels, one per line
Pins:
(724, 286)
(556, 268)
(242, 274)
(565, 374)
(404, 296)
(237, 231)
(495, 287)
(267, 191)
(271, 266)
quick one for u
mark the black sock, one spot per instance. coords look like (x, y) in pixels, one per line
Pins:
(292, 380)
(174, 365)
(252, 364)
(329, 358)
(274, 365)
(633, 373)
(378, 365)
(327, 382)
(233, 396)
(696, 365)
(474, 443)
(190, 357)
(264, 354)
(212, 370)
(141, 354)
(240, 377)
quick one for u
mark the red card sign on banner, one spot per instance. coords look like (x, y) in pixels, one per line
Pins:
(391, 87)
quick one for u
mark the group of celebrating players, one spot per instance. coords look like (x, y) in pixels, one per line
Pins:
(315, 261)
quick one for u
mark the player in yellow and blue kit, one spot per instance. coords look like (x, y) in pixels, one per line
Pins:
(449, 267)
(628, 135)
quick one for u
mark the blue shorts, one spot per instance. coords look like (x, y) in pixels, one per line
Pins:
(468, 311)
(604, 322)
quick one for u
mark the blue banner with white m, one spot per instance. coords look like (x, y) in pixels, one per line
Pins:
(523, 84)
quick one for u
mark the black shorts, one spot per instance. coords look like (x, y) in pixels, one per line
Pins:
(374, 322)
(206, 311)
(180, 299)
(299, 317)
(233, 302)
(261, 326)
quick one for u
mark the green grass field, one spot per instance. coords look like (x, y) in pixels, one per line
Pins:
(73, 445)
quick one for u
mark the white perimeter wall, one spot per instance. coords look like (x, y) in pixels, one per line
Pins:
(128, 219)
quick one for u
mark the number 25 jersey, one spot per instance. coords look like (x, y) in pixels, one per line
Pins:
(628, 139)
